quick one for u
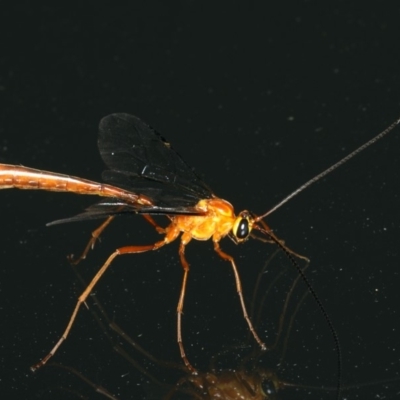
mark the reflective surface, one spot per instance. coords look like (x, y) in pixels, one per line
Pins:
(294, 367)
(257, 100)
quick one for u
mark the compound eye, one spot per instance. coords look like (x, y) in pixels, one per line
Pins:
(243, 229)
(268, 388)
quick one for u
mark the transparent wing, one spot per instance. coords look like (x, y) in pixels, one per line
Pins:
(142, 161)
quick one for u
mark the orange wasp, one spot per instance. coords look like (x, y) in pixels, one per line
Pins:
(148, 177)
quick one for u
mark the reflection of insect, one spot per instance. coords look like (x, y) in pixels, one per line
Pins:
(148, 177)
(236, 372)
(230, 376)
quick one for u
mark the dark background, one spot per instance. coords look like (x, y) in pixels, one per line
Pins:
(258, 98)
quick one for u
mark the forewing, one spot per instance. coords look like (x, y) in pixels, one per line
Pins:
(141, 160)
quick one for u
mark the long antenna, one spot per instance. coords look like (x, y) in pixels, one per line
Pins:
(330, 169)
